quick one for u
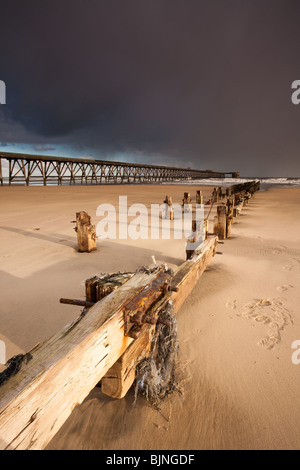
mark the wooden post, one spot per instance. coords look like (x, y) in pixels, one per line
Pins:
(168, 201)
(238, 208)
(199, 197)
(169, 208)
(98, 287)
(205, 229)
(247, 196)
(229, 217)
(215, 231)
(193, 238)
(215, 195)
(186, 202)
(86, 233)
(220, 227)
(186, 198)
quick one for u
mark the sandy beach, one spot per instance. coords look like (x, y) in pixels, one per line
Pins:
(237, 385)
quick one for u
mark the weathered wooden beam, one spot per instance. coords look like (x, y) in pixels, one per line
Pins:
(199, 197)
(35, 402)
(221, 223)
(229, 217)
(61, 372)
(169, 208)
(98, 287)
(215, 195)
(238, 209)
(121, 376)
(86, 233)
(195, 237)
(249, 186)
(188, 274)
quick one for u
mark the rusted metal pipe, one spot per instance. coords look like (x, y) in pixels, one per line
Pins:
(173, 289)
(164, 322)
(80, 303)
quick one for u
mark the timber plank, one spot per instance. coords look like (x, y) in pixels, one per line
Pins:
(188, 274)
(121, 376)
(36, 402)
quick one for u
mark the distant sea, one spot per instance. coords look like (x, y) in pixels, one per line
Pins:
(265, 183)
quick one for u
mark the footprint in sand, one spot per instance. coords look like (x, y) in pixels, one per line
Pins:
(270, 312)
(284, 288)
(293, 263)
(231, 304)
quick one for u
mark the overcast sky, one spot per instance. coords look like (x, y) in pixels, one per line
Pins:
(199, 83)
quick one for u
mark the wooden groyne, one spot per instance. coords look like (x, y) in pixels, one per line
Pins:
(106, 343)
(39, 169)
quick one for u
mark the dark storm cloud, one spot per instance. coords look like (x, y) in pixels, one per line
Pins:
(204, 82)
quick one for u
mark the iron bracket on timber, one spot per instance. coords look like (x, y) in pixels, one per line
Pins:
(143, 308)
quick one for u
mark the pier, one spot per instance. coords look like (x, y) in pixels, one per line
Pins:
(30, 169)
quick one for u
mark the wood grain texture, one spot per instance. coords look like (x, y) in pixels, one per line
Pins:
(86, 233)
(36, 402)
(121, 376)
